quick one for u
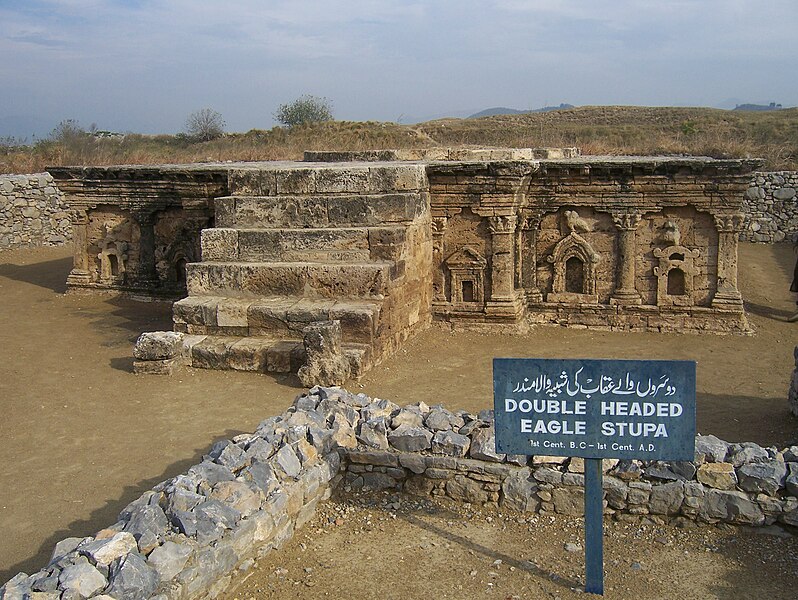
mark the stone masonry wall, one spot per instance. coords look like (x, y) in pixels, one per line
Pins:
(792, 393)
(771, 208)
(32, 212)
(187, 536)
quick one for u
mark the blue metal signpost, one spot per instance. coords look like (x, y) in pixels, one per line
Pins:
(595, 409)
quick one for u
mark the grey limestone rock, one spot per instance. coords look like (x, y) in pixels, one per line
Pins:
(409, 416)
(287, 462)
(16, 588)
(483, 445)
(791, 454)
(169, 559)
(730, 506)
(450, 443)
(378, 408)
(791, 480)
(747, 452)
(765, 477)
(440, 419)
(710, 448)
(82, 578)
(407, 438)
(666, 499)
(132, 578)
(64, 547)
(374, 433)
(148, 525)
(210, 473)
(104, 552)
(518, 491)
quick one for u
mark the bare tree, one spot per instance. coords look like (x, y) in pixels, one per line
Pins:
(204, 125)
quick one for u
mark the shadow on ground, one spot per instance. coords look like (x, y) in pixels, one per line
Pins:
(50, 274)
(107, 514)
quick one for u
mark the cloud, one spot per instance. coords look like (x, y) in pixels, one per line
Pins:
(144, 64)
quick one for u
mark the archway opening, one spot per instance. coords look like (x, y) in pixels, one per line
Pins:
(676, 283)
(467, 290)
(575, 275)
(180, 270)
(113, 265)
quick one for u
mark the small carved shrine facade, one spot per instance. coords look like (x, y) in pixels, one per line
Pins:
(136, 228)
(628, 243)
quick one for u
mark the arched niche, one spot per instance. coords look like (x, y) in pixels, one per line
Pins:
(675, 273)
(466, 268)
(113, 261)
(575, 271)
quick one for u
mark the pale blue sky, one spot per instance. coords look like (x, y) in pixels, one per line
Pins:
(144, 65)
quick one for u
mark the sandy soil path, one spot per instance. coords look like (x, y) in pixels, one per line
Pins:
(82, 436)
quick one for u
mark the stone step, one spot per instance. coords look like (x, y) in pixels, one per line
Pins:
(276, 316)
(264, 355)
(274, 179)
(319, 211)
(300, 279)
(347, 244)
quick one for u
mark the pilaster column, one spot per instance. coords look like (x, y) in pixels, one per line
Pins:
(80, 244)
(530, 222)
(504, 302)
(729, 227)
(147, 275)
(625, 290)
(502, 229)
(438, 280)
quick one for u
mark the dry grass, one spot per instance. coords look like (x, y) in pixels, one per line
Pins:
(772, 136)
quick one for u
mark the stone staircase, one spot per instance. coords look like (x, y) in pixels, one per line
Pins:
(294, 245)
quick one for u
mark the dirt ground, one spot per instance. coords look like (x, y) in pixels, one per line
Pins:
(82, 435)
(400, 547)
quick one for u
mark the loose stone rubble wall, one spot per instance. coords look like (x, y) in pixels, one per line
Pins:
(771, 208)
(32, 212)
(187, 536)
(792, 394)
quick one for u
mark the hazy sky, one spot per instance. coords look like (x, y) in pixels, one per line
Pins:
(144, 65)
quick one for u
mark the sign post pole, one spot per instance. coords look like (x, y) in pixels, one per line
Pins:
(594, 528)
(595, 409)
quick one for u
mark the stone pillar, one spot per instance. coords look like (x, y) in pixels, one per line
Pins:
(625, 289)
(504, 301)
(530, 222)
(438, 279)
(80, 242)
(146, 276)
(727, 295)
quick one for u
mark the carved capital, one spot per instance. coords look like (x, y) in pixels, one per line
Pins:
(729, 223)
(529, 220)
(626, 221)
(78, 216)
(502, 223)
(439, 225)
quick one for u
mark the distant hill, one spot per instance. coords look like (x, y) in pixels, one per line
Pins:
(501, 110)
(771, 106)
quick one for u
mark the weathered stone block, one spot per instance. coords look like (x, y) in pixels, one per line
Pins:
(720, 475)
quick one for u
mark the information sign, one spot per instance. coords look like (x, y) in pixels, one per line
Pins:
(642, 409)
(595, 409)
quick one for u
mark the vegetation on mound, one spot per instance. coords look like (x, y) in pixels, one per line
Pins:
(771, 135)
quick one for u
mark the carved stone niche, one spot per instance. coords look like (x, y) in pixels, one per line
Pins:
(113, 260)
(467, 279)
(575, 271)
(675, 275)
